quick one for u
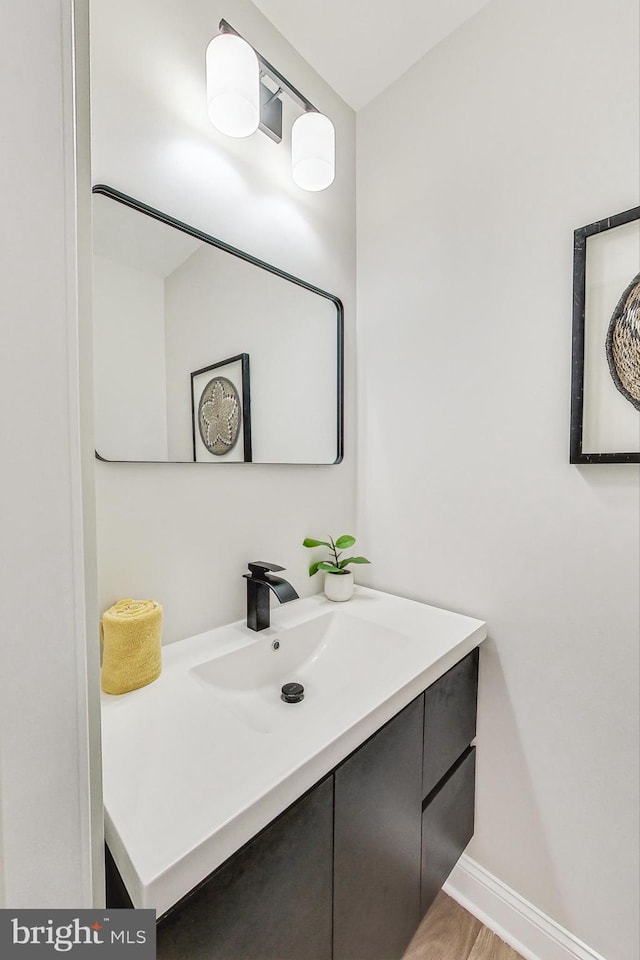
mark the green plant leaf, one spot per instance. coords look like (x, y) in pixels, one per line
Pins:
(329, 567)
(313, 569)
(345, 541)
(308, 542)
(343, 563)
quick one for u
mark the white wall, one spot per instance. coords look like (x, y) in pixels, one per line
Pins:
(129, 363)
(51, 811)
(473, 170)
(184, 533)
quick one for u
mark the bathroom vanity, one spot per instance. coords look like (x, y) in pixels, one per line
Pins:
(321, 829)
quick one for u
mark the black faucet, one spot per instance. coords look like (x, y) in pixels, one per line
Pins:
(259, 582)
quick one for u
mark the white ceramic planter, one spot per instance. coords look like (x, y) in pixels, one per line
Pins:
(338, 586)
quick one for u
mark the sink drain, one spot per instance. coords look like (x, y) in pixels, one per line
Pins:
(292, 693)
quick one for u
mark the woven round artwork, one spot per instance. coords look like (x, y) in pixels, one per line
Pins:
(219, 416)
(623, 343)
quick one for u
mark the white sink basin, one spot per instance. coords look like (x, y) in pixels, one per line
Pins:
(329, 655)
(199, 761)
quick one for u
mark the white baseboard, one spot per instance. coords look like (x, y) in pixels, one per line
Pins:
(522, 926)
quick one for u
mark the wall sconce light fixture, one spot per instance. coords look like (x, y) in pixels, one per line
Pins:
(239, 102)
(233, 91)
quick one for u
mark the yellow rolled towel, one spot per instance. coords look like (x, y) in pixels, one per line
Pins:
(132, 637)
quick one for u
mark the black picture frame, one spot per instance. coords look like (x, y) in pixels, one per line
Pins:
(580, 240)
(223, 368)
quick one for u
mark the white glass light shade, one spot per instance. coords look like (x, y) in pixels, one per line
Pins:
(233, 85)
(313, 151)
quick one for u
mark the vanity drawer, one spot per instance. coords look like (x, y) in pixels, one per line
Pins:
(449, 719)
(447, 826)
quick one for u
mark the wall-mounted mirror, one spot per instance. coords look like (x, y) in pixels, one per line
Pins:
(202, 353)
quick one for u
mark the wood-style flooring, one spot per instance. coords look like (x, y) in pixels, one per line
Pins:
(449, 932)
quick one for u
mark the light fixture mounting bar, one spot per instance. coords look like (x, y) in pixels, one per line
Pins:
(270, 71)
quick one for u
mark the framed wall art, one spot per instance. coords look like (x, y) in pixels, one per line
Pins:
(221, 411)
(605, 376)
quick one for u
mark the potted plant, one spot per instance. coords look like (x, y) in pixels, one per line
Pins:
(338, 581)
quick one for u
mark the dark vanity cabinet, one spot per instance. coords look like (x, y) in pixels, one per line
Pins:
(347, 872)
(404, 812)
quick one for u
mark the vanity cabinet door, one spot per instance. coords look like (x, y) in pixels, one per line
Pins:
(378, 810)
(270, 900)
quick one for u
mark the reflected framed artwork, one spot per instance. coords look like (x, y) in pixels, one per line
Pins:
(221, 411)
(605, 375)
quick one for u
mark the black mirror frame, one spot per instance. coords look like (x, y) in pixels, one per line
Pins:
(128, 201)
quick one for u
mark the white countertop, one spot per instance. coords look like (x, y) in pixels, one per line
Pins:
(190, 776)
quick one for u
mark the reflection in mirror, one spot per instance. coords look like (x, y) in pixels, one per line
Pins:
(203, 353)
